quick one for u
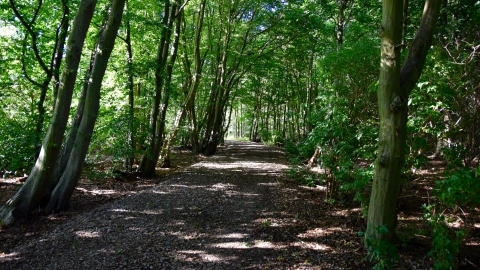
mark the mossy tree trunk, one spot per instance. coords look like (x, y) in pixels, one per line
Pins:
(38, 182)
(150, 159)
(131, 93)
(395, 86)
(64, 189)
(190, 96)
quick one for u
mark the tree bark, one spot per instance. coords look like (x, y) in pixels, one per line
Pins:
(160, 105)
(167, 85)
(62, 33)
(166, 148)
(37, 183)
(395, 86)
(69, 143)
(63, 191)
(131, 95)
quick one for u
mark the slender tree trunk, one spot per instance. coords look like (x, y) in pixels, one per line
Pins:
(341, 22)
(166, 94)
(62, 33)
(37, 183)
(63, 191)
(150, 158)
(405, 23)
(190, 110)
(69, 143)
(310, 90)
(226, 125)
(391, 154)
(131, 94)
(165, 153)
(395, 86)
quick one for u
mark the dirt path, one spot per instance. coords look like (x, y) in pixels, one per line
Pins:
(234, 210)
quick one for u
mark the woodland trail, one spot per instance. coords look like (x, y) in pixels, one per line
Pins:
(234, 210)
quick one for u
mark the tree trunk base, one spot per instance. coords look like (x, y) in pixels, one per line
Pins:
(166, 163)
(10, 216)
(210, 149)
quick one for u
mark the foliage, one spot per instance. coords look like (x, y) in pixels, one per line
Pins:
(111, 137)
(361, 186)
(460, 188)
(445, 244)
(16, 139)
(384, 254)
(343, 128)
(303, 175)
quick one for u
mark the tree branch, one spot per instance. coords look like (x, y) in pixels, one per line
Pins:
(33, 35)
(417, 54)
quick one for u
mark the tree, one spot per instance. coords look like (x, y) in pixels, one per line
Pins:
(37, 183)
(64, 189)
(395, 86)
(49, 68)
(163, 74)
(193, 87)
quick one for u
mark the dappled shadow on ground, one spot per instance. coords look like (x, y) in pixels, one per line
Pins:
(235, 210)
(232, 211)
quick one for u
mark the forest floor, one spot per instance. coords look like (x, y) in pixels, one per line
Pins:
(235, 210)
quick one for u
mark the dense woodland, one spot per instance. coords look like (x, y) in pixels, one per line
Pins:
(368, 91)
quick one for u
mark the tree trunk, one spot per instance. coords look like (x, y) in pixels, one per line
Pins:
(165, 153)
(167, 85)
(63, 191)
(131, 95)
(149, 160)
(394, 89)
(68, 145)
(37, 183)
(60, 48)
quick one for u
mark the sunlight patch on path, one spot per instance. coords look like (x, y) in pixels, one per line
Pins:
(88, 234)
(233, 235)
(9, 256)
(245, 245)
(239, 165)
(206, 257)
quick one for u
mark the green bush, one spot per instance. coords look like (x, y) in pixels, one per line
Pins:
(17, 140)
(445, 244)
(460, 188)
(111, 137)
(383, 253)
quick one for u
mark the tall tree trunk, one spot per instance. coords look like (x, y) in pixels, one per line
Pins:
(63, 191)
(405, 23)
(395, 86)
(392, 134)
(166, 148)
(167, 89)
(311, 96)
(37, 183)
(61, 34)
(191, 114)
(131, 95)
(341, 22)
(150, 158)
(68, 145)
